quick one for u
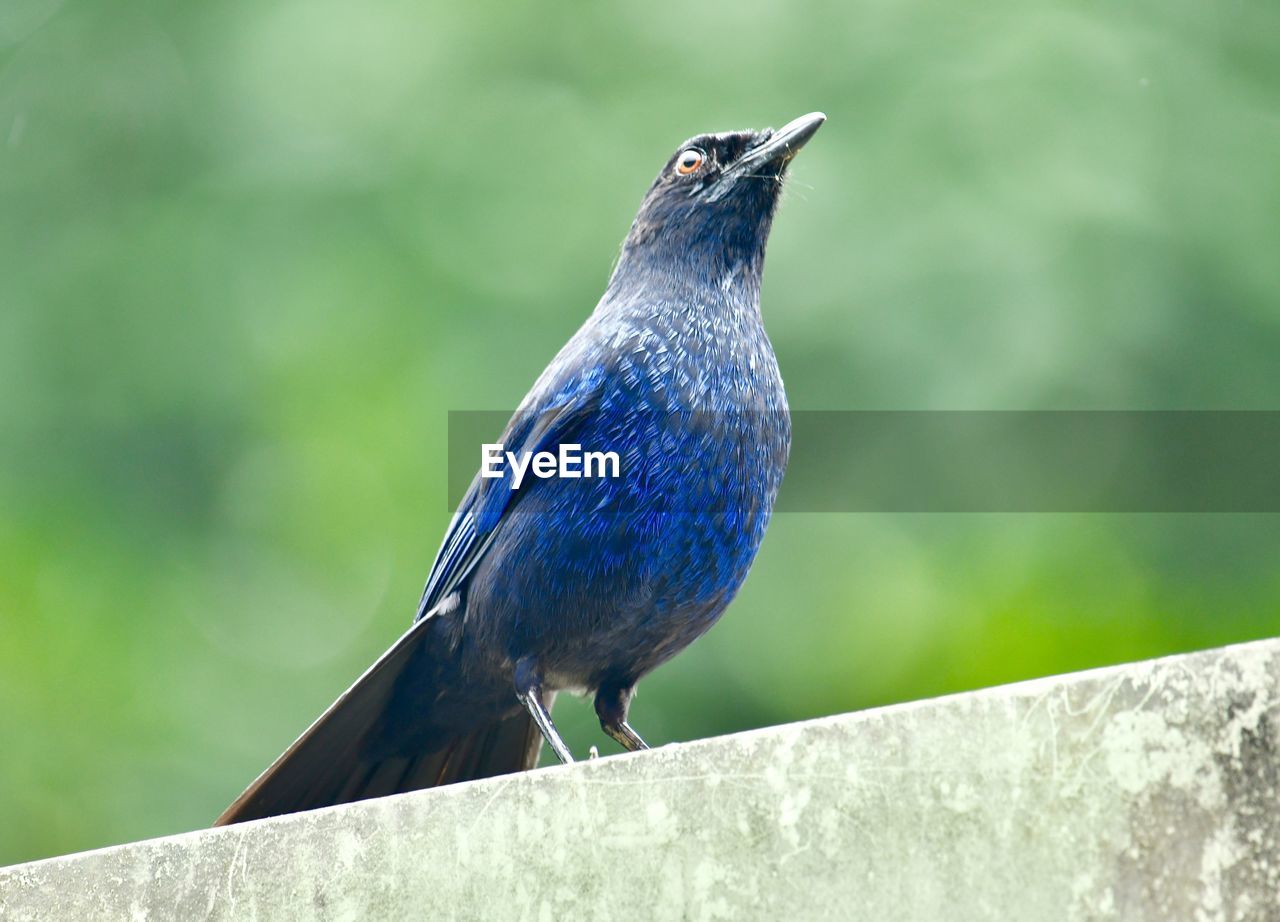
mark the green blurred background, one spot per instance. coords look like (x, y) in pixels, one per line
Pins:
(252, 252)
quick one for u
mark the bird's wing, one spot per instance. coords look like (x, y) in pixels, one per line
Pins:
(489, 500)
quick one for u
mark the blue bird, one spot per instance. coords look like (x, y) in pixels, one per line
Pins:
(589, 583)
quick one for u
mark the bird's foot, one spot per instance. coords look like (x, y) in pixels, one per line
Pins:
(627, 737)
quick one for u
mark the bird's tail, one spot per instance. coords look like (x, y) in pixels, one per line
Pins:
(335, 762)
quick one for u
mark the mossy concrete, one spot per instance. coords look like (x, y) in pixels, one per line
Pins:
(1141, 792)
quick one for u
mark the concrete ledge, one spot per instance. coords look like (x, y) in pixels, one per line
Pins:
(1142, 792)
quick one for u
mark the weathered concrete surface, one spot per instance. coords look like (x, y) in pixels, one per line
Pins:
(1143, 792)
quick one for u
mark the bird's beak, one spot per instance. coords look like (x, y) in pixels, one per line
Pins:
(779, 148)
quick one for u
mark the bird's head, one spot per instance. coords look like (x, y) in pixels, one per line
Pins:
(711, 206)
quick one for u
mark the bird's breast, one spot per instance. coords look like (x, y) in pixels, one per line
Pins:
(696, 410)
(633, 567)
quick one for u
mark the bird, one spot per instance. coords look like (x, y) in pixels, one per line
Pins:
(563, 584)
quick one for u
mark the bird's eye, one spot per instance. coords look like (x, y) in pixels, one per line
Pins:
(689, 161)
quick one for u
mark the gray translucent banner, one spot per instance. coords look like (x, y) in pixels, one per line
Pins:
(995, 461)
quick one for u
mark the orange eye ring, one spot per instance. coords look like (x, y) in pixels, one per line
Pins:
(689, 161)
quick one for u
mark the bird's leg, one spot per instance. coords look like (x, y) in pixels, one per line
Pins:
(612, 702)
(528, 681)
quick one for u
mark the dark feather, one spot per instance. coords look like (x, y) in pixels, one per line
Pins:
(338, 760)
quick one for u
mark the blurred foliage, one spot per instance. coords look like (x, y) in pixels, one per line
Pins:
(252, 252)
